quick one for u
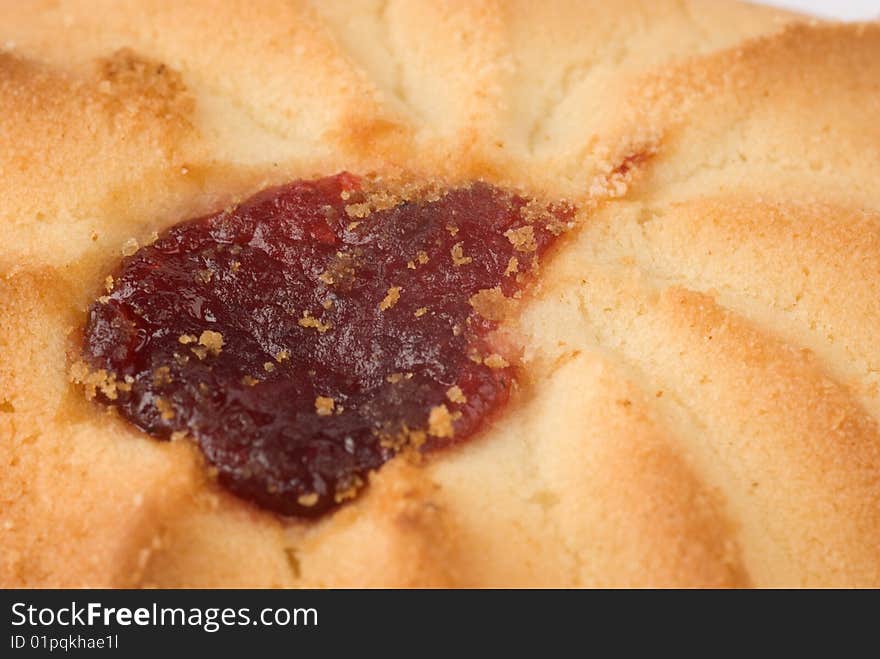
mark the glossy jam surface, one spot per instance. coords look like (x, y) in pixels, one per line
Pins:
(306, 336)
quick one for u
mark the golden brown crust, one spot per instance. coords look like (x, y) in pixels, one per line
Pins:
(701, 397)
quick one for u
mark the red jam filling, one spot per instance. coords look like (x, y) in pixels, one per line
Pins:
(308, 335)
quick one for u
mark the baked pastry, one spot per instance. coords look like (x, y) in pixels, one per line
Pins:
(696, 397)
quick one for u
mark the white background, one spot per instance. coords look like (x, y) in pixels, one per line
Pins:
(852, 10)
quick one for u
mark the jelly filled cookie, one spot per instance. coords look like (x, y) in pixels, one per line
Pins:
(438, 294)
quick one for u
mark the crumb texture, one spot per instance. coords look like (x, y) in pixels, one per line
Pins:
(700, 387)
